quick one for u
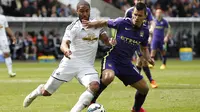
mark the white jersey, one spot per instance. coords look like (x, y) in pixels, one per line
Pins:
(3, 25)
(84, 43)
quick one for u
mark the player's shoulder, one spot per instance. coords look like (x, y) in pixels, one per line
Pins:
(148, 9)
(72, 25)
(164, 20)
(2, 16)
(123, 19)
(127, 20)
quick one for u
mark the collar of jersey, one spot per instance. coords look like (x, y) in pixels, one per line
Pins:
(80, 24)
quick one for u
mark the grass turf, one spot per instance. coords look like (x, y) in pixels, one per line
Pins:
(178, 91)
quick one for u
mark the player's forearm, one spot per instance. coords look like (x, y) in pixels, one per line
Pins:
(10, 33)
(168, 33)
(65, 46)
(145, 52)
(152, 26)
(100, 23)
(150, 38)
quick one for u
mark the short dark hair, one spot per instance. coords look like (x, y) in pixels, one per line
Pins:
(141, 6)
(83, 2)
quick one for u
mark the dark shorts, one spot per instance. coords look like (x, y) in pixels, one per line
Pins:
(157, 45)
(128, 73)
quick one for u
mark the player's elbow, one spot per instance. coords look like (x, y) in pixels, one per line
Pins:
(61, 47)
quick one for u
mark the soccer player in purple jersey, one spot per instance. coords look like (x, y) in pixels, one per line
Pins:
(160, 40)
(118, 61)
(141, 62)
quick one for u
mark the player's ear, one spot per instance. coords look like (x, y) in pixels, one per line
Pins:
(145, 14)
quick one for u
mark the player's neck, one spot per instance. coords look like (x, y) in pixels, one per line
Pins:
(159, 19)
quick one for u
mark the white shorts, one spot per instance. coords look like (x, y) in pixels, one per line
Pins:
(4, 46)
(85, 75)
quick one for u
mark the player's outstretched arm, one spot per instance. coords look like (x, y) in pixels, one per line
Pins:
(65, 48)
(146, 54)
(167, 37)
(95, 24)
(11, 35)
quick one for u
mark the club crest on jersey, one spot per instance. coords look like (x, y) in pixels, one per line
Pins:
(142, 34)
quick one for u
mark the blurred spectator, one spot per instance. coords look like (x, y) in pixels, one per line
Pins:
(30, 48)
(9, 7)
(57, 43)
(36, 8)
(27, 10)
(53, 12)
(1, 10)
(44, 11)
(196, 14)
(18, 51)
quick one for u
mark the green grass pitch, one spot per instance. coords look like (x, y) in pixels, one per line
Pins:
(178, 91)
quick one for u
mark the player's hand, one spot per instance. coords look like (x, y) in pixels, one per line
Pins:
(87, 24)
(67, 54)
(151, 61)
(165, 40)
(14, 40)
(112, 41)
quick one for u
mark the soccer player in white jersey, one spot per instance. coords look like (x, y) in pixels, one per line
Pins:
(79, 46)
(4, 46)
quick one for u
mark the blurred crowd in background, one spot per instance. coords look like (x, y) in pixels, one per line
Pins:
(171, 8)
(36, 8)
(31, 45)
(53, 8)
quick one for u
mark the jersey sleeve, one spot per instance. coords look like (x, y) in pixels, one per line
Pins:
(149, 15)
(69, 34)
(146, 38)
(114, 23)
(128, 12)
(5, 22)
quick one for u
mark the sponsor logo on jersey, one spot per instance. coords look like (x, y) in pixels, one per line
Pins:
(90, 37)
(129, 40)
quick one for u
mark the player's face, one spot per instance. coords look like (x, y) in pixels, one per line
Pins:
(138, 17)
(83, 12)
(158, 14)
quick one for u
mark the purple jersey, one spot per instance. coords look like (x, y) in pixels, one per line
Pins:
(128, 39)
(159, 31)
(146, 21)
